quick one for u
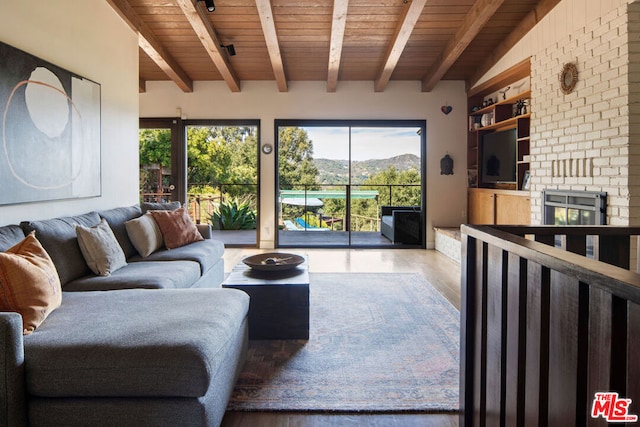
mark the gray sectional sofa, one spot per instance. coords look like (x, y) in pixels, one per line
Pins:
(156, 343)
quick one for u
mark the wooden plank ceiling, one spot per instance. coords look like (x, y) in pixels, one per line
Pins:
(326, 40)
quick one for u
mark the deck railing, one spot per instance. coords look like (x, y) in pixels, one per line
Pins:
(335, 216)
(543, 328)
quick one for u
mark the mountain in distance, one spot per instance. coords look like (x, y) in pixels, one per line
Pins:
(337, 171)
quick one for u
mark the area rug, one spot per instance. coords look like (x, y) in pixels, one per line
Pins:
(378, 343)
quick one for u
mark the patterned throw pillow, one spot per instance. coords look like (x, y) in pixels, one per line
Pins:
(100, 249)
(177, 228)
(29, 283)
(145, 234)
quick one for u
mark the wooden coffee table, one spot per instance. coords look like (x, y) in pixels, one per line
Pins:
(279, 307)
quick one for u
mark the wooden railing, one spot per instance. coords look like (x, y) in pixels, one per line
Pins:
(543, 328)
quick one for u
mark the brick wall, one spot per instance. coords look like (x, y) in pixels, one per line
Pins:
(589, 139)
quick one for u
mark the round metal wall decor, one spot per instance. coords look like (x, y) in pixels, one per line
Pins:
(568, 78)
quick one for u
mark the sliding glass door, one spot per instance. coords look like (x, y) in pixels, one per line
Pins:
(337, 179)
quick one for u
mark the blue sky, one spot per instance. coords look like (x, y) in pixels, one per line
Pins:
(367, 143)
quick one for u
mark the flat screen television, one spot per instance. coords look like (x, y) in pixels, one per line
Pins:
(498, 157)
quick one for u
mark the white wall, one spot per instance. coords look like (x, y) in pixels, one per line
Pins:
(446, 195)
(88, 38)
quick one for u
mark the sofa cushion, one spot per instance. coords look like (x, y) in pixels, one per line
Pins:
(169, 206)
(207, 253)
(177, 228)
(170, 343)
(117, 218)
(10, 235)
(147, 275)
(145, 234)
(100, 249)
(58, 237)
(29, 283)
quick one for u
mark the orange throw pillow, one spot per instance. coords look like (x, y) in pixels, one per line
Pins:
(29, 283)
(176, 227)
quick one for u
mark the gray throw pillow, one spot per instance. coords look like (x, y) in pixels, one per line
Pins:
(100, 249)
(145, 234)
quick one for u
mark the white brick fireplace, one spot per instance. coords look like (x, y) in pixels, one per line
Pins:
(589, 140)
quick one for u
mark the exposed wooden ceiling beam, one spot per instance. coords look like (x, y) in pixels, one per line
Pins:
(408, 20)
(197, 17)
(152, 47)
(271, 39)
(338, 24)
(476, 19)
(530, 21)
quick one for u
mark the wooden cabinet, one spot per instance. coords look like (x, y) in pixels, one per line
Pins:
(491, 206)
(513, 209)
(494, 106)
(481, 206)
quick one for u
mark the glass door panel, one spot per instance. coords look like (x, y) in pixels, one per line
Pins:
(334, 177)
(160, 178)
(222, 179)
(386, 161)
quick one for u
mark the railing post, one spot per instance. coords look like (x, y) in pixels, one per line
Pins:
(467, 329)
(197, 209)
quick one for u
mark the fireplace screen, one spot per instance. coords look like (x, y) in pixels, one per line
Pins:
(574, 207)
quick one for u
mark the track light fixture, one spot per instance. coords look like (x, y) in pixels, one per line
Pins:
(230, 49)
(211, 7)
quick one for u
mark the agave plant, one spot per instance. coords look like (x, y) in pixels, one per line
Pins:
(233, 215)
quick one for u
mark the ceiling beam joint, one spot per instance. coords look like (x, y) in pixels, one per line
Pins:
(199, 20)
(151, 46)
(476, 19)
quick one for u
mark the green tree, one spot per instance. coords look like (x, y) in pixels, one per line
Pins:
(208, 156)
(154, 157)
(244, 154)
(295, 159)
(155, 147)
(397, 188)
(402, 186)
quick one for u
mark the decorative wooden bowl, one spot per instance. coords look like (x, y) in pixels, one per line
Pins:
(273, 261)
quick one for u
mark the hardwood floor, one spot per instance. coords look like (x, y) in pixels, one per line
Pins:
(439, 270)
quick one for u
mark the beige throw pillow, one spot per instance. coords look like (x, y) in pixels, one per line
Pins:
(145, 234)
(100, 249)
(29, 283)
(176, 227)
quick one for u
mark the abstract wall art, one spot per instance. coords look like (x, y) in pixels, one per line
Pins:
(49, 131)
